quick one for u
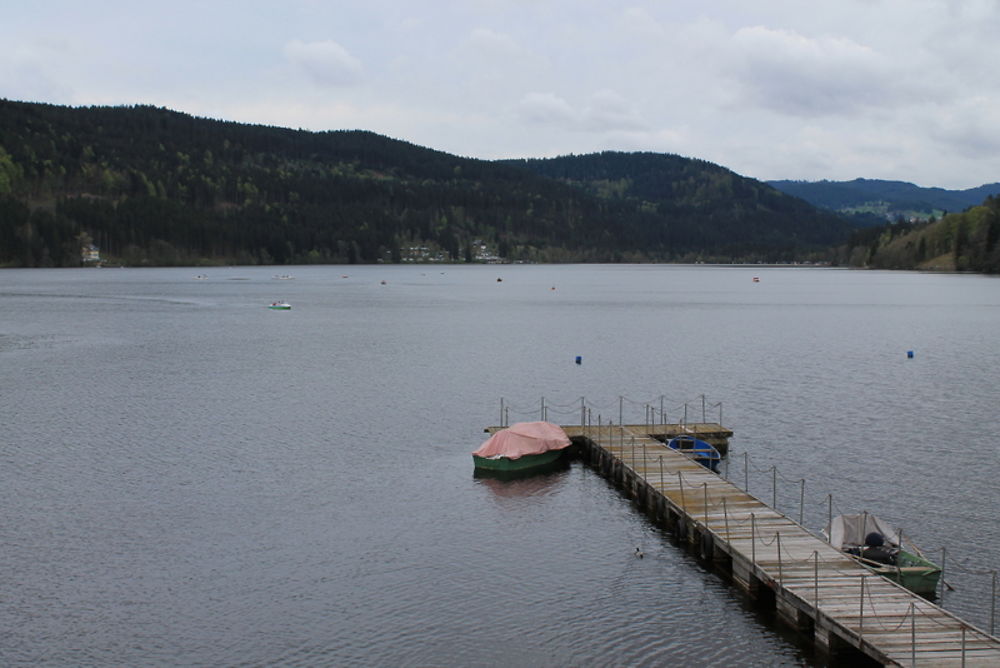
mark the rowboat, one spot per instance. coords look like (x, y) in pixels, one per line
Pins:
(875, 544)
(698, 450)
(523, 446)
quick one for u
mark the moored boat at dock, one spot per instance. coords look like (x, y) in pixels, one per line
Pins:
(523, 446)
(704, 453)
(874, 543)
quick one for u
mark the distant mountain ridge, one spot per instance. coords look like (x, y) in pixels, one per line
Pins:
(888, 200)
(149, 186)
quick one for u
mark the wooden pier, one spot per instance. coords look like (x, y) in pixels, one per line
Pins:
(814, 587)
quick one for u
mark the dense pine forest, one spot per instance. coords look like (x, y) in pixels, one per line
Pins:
(966, 241)
(150, 186)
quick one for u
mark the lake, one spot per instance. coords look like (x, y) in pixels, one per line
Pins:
(190, 478)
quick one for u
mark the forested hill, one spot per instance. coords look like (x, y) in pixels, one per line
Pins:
(966, 241)
(698, 202)
(152, 186)
(886, 200)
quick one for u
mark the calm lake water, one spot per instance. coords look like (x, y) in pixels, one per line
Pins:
(189, 478)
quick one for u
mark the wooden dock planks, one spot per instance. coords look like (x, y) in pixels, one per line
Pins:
(814, 584)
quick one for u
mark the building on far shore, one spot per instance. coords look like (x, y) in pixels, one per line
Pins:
(90, 254)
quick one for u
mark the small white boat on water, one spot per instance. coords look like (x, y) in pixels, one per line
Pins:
(280, 306)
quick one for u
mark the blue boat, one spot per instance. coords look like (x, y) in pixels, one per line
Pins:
(700, 451)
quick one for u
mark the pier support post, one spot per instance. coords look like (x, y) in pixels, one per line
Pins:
(743, 575)
(792, 616)
(828, 643)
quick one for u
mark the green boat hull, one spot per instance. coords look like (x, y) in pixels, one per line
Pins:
(525, 463)
(913, 572)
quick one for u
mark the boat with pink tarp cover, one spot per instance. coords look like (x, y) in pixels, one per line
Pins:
(522, 446)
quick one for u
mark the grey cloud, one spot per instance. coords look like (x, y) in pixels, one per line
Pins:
(605, 111)
(801, 76)
(547, 109)
(325, 62)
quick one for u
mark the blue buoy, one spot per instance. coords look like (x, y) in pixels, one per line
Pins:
(579, 359)
(909, 354)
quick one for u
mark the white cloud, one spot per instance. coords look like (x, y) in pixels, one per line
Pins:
(605, 111)
(326, 62)
(970, 127)
(608, 110)
(638, 21)
(546, 109)
(25, 76)
(793, 74)
(494, 43)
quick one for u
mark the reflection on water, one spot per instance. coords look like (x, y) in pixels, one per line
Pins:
(523, 483)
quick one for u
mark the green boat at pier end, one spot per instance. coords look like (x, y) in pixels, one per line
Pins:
(523, 446)
(876, 545)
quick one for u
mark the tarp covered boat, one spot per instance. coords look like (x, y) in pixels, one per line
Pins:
(521, 446)
(878, 546)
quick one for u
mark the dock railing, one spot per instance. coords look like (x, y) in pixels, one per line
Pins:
(657, 410)
(983, 581)
(813, 578)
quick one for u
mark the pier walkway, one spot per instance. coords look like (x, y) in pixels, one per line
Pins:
(815, 588)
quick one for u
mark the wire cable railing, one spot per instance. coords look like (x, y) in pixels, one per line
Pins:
(657, 410)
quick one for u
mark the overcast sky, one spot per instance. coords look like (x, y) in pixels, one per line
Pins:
(799, 89)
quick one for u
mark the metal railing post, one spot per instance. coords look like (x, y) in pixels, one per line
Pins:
(802, 499)
(704, 487)
(944, 559)
(829, 510)
(993, 605)
(777, 539)
(861, 620)
(680, 483)
(753, 539)
(725, 517)
(816, 580)
(746, 471)
(774, 487)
